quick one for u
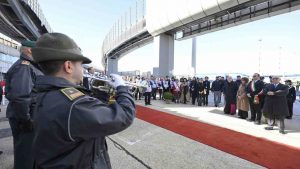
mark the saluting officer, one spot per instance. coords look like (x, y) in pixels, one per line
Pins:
(70, 126)
(20, 80)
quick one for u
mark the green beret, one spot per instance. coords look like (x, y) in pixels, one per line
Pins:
(57, 47)
(28, 43)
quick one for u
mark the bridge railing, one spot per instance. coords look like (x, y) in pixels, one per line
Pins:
(36, 8)
(130, 24)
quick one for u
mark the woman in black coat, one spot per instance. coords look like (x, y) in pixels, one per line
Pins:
(201, 92)
(230, 91)
(195, 90)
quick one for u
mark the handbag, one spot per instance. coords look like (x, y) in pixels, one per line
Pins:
(232, 108)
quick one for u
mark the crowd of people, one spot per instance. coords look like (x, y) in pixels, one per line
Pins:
(274, 100)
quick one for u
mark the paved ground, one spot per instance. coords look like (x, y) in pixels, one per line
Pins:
(215, 116)
(144, 145)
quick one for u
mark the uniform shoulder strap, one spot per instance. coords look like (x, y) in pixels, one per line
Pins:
(72, 93)
(25, 62)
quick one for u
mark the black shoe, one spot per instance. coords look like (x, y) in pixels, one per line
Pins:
(257, 123)
(250, 120)
(216, 105)
(289, 117)
(282, 132)
(1, 152)
(149, 104)
(269, 128)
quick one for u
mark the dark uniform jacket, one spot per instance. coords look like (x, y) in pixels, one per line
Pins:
(70, 127)
(276, 106)
(20, 80)
(291, 97)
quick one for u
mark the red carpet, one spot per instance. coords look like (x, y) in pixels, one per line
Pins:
(257, 150)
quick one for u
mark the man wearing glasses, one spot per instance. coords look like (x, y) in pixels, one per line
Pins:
(255, 92)
(275, 106)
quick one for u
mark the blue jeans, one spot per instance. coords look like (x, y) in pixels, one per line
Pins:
(217, 97)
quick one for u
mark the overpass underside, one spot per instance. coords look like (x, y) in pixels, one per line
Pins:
(166, 22)
(244, 13)
(18, 21)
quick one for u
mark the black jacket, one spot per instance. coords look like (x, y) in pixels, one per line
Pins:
(291, 97)
(216, 86)
(70, 127)
(230, 90)
(20, 80)
(275, 106)
(207, 86)
(195, 87)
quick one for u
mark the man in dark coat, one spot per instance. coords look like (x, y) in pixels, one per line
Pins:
(291, 98)
(275, 106)
(230, 91)
(70, 126)
(20, 80)
(194, 89)
(206, 88)
(255, 95)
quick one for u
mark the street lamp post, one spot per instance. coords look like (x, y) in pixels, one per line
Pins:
(279, 61)
(259, 56)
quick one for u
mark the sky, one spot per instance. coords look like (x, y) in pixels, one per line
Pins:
(233, 50)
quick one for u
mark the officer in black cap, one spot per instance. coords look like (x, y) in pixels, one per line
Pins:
(70, 126)
(20, 80)
(291, 98)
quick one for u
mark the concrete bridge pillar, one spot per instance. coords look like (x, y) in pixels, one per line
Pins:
(164, 48)
(194, 54)
(112, 66)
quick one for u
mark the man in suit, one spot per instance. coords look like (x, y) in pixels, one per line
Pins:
(206, 84)
(291, 98)
(255, 93)
(275, 106)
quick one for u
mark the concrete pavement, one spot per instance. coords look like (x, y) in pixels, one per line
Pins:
(144, 145)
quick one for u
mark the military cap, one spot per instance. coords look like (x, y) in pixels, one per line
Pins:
(56, 47)
(28, 43)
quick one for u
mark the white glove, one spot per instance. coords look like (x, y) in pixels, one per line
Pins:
(116, 80)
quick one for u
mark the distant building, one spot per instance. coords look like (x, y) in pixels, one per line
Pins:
(9, 54)
(146, 74)
(156, 71)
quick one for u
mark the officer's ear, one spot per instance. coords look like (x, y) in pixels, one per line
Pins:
(68, 66)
